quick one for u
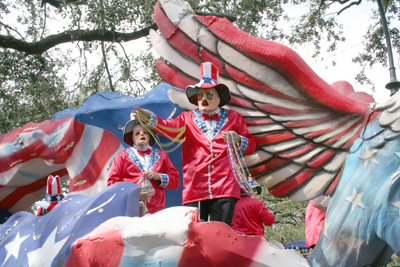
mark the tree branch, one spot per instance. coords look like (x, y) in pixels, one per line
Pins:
(106, 67)
(231, 18)
(129, 65)
(8, 29)
(57, 3)
(70, 36)
(348, 6)
(83, 35)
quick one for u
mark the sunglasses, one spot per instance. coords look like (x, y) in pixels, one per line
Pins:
(208, 95)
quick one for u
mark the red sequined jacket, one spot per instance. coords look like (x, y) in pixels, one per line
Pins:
(207, 172)
(126, 167)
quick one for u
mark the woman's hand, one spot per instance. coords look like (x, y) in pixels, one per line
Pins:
(152, 175)
(144, 112)
(145, 195)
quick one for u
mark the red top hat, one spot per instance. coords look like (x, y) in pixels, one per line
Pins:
(53, 195)
(53, 185)
(209, 79)
(53, 189)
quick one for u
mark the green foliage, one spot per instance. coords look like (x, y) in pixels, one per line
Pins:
(394, 261)
(29, 91)
(375, 49)
(256, 17)
(316, 25)
(289, 218)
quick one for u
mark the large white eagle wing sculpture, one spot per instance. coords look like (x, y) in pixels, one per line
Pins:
(304, 127)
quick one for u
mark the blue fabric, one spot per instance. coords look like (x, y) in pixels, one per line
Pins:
(4, 215)
(164, 180)
(362, 223)
(79, 216)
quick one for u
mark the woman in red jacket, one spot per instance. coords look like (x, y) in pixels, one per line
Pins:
(142, 160)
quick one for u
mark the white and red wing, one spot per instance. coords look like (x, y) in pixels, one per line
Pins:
(304, 127)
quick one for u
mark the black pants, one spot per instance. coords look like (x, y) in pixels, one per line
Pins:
(219, 209)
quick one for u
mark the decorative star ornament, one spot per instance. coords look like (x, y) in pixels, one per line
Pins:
(368, 156)
(355, 200)
(13, 247)
(45, 255)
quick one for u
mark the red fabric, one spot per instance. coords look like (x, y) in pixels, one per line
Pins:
(250, 215)
(124, 169)
(314, 222)
(198, 156)
(205, 116)
(41, 211)
(103, 247)
(142, 152)
(215, 244)
(108, 145)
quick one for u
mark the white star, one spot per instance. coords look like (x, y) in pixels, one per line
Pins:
(353, 243)
(368, 156)
(13, 246)
(396, 204)
(355, 200)
(45, 255)
(325, 229)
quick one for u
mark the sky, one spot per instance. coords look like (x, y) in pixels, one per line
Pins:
(355, 21)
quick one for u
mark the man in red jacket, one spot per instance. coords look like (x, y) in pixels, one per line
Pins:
(251, 215)
(142, 160)
(208, 181)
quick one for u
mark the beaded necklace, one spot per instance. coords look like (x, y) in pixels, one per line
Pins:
(239, 166)
(144, 120)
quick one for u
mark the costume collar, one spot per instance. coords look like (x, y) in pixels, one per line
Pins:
(154, 157)
(143, 149)
(220, 123)
(217, 111)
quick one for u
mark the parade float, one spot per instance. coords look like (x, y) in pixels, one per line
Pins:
(313, 139)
